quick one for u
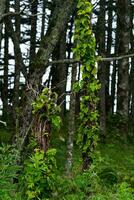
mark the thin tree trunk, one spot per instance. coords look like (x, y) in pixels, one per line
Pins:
(132, 75)
(33, 18)
(5, 85)
(108, 52)
(113, 86)
(123, 65)
(2, 11)
(114, 72)
(102, 67)
(71, 123)
(17, 64)
(43, 19)
(77, 103)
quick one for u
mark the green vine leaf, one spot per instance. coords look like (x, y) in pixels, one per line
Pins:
(89, 85)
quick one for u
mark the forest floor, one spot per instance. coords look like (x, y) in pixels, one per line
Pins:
(111, 176)
(112, 170)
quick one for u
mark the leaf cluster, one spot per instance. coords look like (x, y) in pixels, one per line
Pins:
(9, 171)
(39, 176)
(89, 85)
(46, 108)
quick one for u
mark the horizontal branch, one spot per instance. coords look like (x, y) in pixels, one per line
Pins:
(99, 59)
(64, 61)
(11, 14)
(110, 59)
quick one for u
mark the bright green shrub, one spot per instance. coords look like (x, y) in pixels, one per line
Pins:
(39, 177)
(125, 192)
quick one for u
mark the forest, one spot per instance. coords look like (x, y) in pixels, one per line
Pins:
(66, 99)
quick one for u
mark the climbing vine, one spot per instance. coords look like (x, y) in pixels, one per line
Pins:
(89, 85)
(46, 116)
(46, 106)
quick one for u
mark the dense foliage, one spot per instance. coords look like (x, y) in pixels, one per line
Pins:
(39, 179)
(89, 85)
(111, 175)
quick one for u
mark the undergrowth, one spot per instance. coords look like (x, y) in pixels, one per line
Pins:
(111, 176)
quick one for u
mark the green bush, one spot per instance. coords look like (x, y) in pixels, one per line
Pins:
(125, 192)
(39, 178)
(9, 170)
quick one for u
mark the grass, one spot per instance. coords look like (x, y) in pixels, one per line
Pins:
(120, 157)
(6, 134)
(112, 173)
(114, 165)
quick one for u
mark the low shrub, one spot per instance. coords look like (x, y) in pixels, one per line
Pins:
(39, 176)
(9, 171)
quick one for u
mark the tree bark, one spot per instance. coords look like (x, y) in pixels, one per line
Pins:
(57, 25)
(123, 65)
(17, 65)
(71, 124)
(6, 60)
(108, 53)
(131, 103)
(33, 19)
(58, 72)
(102, 67)
(2, 11)
(43, 18)
(114, 72)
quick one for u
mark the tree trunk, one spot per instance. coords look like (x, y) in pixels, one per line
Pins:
(2, 11)
(17, 65)
(114, 72)
(102, 67)
(108, 53)
(5, 85)
(71, 123)
(132, 76)
(57, 25)
(59, 73)
(43, 18)
(33, 18)
(123, 65)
